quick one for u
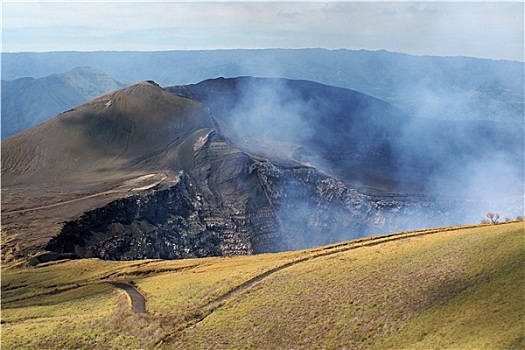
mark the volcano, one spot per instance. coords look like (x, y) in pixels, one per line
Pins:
(232, 166)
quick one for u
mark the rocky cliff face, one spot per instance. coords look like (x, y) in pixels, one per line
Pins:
(166, 224)
(217, 208)
(233, 204)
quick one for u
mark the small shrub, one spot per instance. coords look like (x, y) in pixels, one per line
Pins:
(493, 217)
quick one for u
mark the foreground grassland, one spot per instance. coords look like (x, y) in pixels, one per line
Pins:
(456, 288)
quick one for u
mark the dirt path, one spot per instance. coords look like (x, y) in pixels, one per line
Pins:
(126, 187)
(208, 308)
(59, 203)
(321, 252)
(137, 300)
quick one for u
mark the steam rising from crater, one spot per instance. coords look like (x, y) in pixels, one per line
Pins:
(271, 112)
(446, 172)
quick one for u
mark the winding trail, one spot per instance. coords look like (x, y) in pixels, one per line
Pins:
(137, 300)
(211, 306)
(124, 188)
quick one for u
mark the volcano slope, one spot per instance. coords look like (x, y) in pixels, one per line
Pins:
(227, 167)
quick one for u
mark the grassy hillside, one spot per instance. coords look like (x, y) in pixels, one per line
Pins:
(452, 288)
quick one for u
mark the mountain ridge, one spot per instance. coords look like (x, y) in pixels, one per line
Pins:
(439, 87)
(29, 101)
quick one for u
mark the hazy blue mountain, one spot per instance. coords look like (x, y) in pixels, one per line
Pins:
(29, 101)
(453, 88)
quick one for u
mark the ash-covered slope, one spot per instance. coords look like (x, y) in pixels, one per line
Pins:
(147, 172)
(28, 101)
(91, 155)
(114, 134)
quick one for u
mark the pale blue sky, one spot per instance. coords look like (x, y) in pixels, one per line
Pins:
(479, 29)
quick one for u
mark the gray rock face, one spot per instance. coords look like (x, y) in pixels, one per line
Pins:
(233, 204)
(166, 224)
(218, 208)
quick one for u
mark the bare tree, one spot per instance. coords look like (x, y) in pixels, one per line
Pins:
(493, 217)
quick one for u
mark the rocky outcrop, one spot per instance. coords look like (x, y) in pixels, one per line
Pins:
(233, 204)
(165, 224)
(218, 208)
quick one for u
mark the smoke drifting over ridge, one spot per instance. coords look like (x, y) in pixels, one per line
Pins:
(271, 112)
(446, 172)
(479, 152)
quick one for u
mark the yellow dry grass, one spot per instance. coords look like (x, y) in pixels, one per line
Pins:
(453, 289)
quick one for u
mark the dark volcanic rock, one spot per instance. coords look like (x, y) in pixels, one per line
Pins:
(232, 204)
(219, 208)
(165, 224)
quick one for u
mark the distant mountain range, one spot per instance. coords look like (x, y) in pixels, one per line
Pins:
(451, 88)
(29, 101)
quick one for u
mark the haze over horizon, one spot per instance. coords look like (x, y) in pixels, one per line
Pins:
(493, 30)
